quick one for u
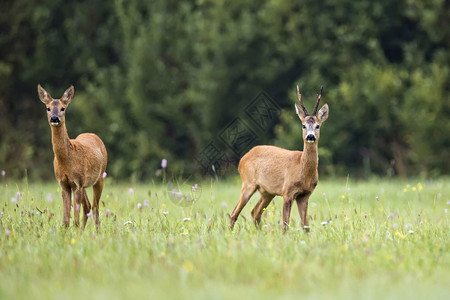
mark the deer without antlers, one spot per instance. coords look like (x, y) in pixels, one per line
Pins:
(78, 163)
(274, 171)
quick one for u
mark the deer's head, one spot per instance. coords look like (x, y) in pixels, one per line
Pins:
(56, 108)
(311, 123)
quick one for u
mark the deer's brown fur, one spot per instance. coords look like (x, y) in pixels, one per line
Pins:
(274, 171)
(79, 163)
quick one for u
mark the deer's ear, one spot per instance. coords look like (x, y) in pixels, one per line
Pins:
(301, 114)
(322, 115)
(44, 95)
(68, 95)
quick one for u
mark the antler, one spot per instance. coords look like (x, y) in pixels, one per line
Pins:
(318, 100)
(301, 103)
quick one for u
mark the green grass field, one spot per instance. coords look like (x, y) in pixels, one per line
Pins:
(360, 246)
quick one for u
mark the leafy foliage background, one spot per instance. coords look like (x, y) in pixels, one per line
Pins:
(159, 79)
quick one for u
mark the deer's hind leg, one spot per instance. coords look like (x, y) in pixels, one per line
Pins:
(86, 207)
(258, 210)
(98, 188)
(246, 192)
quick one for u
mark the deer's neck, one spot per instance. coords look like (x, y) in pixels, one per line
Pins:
(61, 142)
(309, 160)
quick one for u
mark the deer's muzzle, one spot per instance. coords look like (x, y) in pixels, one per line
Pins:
(310, 138)
(54, 121)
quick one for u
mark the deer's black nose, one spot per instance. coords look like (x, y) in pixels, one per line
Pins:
(310, 138)
(54, 120)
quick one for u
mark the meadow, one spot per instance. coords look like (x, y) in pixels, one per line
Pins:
(380, 238)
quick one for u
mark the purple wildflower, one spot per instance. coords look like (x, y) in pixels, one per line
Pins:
(174, 191)
(139, 206)
(1, 214)
(224, 205)
(89, 215)
(164, 163)
(376, 198)
(348, 190)
(7, 231)
(448, 202)
(18, 195)
(104, 174)
(49, 198)
(131, 191)
(78, 207)
(446, 210)
(108, 212)
(3, 172)
(13, 200)
(146, 203)
(324, 194)
(395, 226)
(365, 216)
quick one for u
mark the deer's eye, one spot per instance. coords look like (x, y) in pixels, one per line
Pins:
(317, 126)
(304, 127)
(48, 108)
(62, 109)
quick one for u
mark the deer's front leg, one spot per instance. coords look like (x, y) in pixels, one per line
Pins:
(287, 205)
(66, 195)
(302, 204)
(78, 197)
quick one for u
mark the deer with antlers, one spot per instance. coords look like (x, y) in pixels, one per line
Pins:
(79, 163)
(274, 171)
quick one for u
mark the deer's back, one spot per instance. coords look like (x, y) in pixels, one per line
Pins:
(268, 166)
